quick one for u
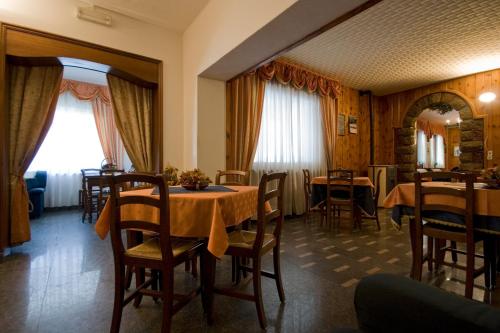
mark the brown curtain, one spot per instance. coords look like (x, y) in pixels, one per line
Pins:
(98, 95)
(245, 100)
(328, 114)
(33, 94)
(133, 111)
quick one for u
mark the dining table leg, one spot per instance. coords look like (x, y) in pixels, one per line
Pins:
(207, 284)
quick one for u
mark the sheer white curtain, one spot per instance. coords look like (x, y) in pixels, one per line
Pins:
(71, 144)
(439, 142)
(421, 148)
(290, 139)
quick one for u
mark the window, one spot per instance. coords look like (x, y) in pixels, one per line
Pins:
(71, 144)
(291, 139)
(430, 154)
(421, 148)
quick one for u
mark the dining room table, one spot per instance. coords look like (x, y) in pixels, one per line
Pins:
(204, 214)
(486, 207)
(363, 188)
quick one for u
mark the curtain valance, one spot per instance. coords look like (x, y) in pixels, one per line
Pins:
(299, 78)
(86, 91)
(431, 129)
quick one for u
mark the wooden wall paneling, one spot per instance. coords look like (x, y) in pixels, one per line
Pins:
(29, 43)
(363, 134)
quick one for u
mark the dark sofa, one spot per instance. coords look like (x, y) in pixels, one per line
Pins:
(390, 303)
(36, 191)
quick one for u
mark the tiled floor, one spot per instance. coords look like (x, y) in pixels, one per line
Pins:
(62, 281)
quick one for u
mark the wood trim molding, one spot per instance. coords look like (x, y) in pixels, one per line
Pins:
(4, 149)
(25, 42)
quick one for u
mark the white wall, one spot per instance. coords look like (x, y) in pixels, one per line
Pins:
(220, 27)
(211, 126)
(58, 17)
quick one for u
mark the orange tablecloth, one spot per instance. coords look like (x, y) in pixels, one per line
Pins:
(487, 201)
(194, 214)
(357, 181)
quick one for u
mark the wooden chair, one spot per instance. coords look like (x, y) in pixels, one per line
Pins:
(308, 196)
(442, 230)
(159, 254)
(375, 196)
(340, 195)
(89, 193)
(254, 245)
(233, 177)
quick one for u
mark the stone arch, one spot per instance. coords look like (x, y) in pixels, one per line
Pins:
(471, 134)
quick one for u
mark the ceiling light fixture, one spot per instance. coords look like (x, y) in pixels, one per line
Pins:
(92, 15)
(447, 121)
(487, 97)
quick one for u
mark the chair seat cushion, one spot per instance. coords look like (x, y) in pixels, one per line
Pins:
(150, 249)
(37, 190)
(246, 239)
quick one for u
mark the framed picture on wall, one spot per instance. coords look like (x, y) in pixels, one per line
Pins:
(353, 125)
(341, 124)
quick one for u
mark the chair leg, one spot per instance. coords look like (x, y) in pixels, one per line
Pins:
(430, 254)
(194, 266)
(277, 273)
(118, 303)
(469, 273)
(129, 270)
(440, 253)
(233, 269)
(257, 292)
(168, 299)
(187, 265)
(376, 219)
(487, 246)
(418, 255)
(453, 253)
(154, 283)
(139, 280)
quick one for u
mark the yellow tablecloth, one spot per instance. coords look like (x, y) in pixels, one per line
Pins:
(357, 181)
(194, 214)
(487, 201)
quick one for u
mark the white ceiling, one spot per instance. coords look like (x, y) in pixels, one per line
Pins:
(437, 118)
(175, 15)
(85, 75)
(402, 44)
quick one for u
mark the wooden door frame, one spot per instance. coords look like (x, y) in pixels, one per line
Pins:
(25, 42)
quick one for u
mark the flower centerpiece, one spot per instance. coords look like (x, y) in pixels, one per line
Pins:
(194, 180)
(491, 176)
(170, 173)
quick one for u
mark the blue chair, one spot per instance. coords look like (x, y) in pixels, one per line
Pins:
(36, 191)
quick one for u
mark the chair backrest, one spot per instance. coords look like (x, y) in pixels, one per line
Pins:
(232, 177)
(41, 179)
(340, 180)
(160, 202)
(465, 195)
(86, 173)
(264, 216)
(307, 181)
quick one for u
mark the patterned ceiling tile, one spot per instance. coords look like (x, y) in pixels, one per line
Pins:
(402, 44)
